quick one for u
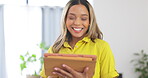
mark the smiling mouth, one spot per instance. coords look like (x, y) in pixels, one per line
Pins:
(77, 29)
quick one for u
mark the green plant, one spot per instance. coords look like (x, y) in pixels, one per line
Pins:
(28, 58)
(141, 64)
(43, 46)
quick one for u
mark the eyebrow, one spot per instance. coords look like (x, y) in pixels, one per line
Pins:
(75, 14)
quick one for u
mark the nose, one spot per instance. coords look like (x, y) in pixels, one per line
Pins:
(77, 21)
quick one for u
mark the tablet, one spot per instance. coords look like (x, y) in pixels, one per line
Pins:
(75, 61)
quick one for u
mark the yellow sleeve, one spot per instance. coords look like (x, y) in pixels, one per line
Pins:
(50, 50)
(42, 73)
(107, 63)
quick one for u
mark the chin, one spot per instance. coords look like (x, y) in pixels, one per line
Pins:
(78, 36)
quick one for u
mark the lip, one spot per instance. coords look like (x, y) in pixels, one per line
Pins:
(77, 29)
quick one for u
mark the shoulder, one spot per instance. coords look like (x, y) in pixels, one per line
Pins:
(50, 50)
(101, 42)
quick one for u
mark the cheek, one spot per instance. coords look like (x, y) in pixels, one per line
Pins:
(86, 24)
(68, 23)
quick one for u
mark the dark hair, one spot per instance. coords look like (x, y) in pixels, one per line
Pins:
(83, 2)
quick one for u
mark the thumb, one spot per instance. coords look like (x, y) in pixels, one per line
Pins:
(49, 77)
(52, 77)
(86, 71)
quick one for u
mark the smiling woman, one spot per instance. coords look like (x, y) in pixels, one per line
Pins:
(81, 35)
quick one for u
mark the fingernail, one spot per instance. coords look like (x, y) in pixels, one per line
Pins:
(87, 68)
(64, 65)
(53, 72)
(55, 68)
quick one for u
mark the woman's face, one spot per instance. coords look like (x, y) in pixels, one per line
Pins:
(77, 21)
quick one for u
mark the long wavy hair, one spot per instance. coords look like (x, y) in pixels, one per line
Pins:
(93, 31)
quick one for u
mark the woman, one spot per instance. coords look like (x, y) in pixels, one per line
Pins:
(81, 35)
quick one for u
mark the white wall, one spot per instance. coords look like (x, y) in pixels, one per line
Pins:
(125, 26)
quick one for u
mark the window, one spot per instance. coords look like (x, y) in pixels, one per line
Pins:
(13, 2)
(38, 2)
(22, 28)
(50, 2)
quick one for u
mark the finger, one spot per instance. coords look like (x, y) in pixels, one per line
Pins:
(59, 74)
(86, 71)
(69, 69)
(62, 73)
(52, 77)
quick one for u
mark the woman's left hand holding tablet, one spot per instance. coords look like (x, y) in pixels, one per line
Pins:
(70, 73)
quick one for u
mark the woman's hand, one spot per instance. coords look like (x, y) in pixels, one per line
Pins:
(71, 73)
(51, 77)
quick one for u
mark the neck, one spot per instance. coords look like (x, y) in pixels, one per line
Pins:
(74, 40)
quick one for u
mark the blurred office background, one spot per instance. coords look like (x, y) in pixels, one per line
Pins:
(26, 23)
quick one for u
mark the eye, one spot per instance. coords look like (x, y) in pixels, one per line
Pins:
(71, 18)
(83, 19)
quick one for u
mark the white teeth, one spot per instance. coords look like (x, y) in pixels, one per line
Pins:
(77, 29)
